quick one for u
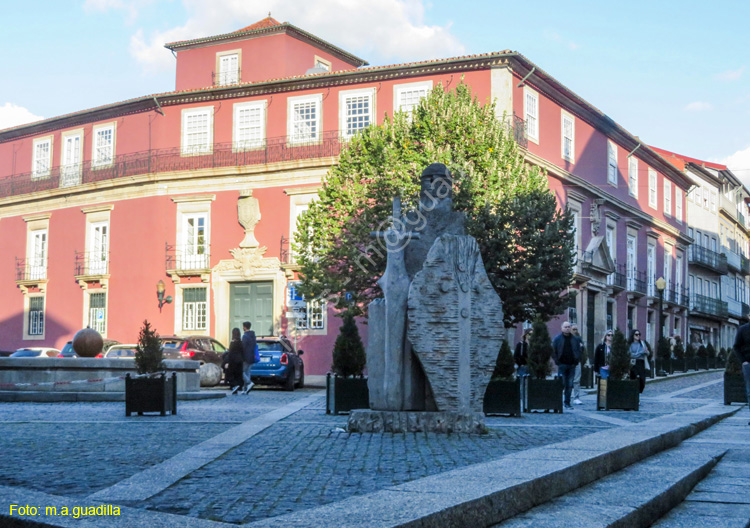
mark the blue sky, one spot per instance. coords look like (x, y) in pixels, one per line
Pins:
(676, 74)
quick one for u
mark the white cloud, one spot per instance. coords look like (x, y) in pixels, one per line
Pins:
(730, 75)
(739, 164)
(131, 7)
(699, 106)
(380, 32)
(13, 115)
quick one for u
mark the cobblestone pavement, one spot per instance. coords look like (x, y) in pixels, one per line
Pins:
(302, 461)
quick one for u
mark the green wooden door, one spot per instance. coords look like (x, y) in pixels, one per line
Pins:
(251, 301)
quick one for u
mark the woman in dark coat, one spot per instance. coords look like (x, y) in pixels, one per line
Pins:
(601, 354)
(521, 355)
(234, 362)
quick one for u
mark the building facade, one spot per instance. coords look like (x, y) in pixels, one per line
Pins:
(200, 189)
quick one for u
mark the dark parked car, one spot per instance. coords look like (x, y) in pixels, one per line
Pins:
(279, 364)
(198, 348)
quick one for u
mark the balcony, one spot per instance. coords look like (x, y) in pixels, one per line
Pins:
(734, 261)
(226, 78)
(734, 308)
(581, 266)
(745, 310)
(618, 279)
(31, 269)
(519, 131)
(91, 263)
(711, 260)
(187, 260)
(676, 294)
(636, 283)
(744, 265)
(708, 307)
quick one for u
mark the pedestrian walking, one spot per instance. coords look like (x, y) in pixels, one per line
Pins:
(521, 358)
(234, 362)
(601, 354)
(566, 352)
(248, 354)
(742, 351)
(639, 353)
(577, 375)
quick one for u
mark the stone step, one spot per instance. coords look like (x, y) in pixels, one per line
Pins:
(630, 498)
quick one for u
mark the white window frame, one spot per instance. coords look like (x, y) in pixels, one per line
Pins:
(88, 312)
(293, 118)
(631, 261)
(667, 197)
(204, 147)
(190, 256)
(320, 62)
(651, 269)
(240, 144)
(344, 97)
(31, 323)
(713, 199)
(318, 307)
(41, 166)
(678, 277)
(678, 197)
(37, 248)
(71, 158)
(531, 113)
(228, 77)
(668, 265)
(653, 190)
(299, 202)
(201, 310)
(400, 91)
(612, 169)
(571, 137)
(633, 176)
(103, 156)
(192, 207)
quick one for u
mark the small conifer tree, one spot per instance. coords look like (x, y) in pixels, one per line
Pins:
(348, 352)
(664, 349)
(504, 364)
(678, 350)
(710, 351)
(702, 352)
(690, 352)
(619, 358)
(148, 355)
(734, 367)
(540, 350)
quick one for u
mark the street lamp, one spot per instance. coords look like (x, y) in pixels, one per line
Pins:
(160, 295)
(661, 284)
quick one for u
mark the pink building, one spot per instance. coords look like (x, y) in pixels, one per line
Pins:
(97, 206)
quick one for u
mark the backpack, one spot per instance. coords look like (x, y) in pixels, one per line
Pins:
(257, 353)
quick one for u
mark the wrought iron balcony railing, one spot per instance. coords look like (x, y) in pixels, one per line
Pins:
(636, 282)
(618, 278)
(700, 304)
(708, 259)
(30, 269)
(91, 263)
(226, 78)
(185, 258)
(744, 265)
(676, 294)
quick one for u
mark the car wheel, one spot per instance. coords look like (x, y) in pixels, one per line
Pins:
(301, 382)
(289, 385)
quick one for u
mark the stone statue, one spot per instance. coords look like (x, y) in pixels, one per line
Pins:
(248, 214)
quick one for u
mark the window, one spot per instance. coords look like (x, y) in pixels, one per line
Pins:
(668, 268)
(194, 309)
(650, 326)
(309, 315)
(568, 137)
(610, 238)
(249, 125)
(406, 97)
(70, 171)
(611, 163)
(652, 193)
(678, 279)
(631, 318)
(304, 119)
(197, 131)
(98, 312)
(98, 255)
(667, 197)
(631, 262)
(37, 255)
(651, 269)
(40, 165)
(228, 68)
(713, 201)
(194, 252)
(633, 176)
(356, 110)
(531, 113)
(678, 196)
(104, 146)
(36, 316)
(572, 309)
(322, 63)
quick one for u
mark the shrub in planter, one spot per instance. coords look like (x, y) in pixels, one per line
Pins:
(503, 394)
(734, 383)
(541, 393)
(710, 356)
(690, 355)
(678, 351)
(721, 358)
(663, 356)
(347, 389)
(616, 391)
(150, 393)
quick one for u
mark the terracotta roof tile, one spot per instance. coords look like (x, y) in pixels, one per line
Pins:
(261, 24)
(680, 160)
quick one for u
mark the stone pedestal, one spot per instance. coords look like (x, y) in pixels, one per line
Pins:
(368, 421)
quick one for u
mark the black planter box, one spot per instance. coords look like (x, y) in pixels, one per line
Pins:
(543, 395)
(622, 394)
(146, 395)
(587, 377)
(711, 363)
(690, 364)
(679, 365)
(662, 367)
(701, 363)
(345, 394)
(734, 389)
(503, 397)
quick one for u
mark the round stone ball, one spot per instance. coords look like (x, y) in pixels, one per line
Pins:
(88, 343)
(210, 375)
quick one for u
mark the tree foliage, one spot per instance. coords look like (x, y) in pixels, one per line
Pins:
(619, 357)
(540, 350)
(664, 349)
(525, 241)
(148, 354)
(348, 352)
(504, 366)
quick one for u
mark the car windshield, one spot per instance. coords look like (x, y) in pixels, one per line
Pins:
(26, 353)
(121, 352)
(67, 348)
(270, 346)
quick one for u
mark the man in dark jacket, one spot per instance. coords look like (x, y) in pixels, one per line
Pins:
(566, 352)
(248, 354)
(742, 351)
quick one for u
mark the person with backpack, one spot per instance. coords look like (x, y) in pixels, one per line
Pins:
(249, 345)
(234, 362)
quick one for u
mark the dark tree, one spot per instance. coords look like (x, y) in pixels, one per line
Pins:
(619, 358)
(348, 351)
(148, 354)
(540, 350)
(504, 366)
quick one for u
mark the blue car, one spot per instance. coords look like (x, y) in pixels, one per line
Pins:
(279, 364)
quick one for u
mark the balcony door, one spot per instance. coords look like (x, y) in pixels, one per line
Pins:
(99, 248)
(194, 250)
(70, 173)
